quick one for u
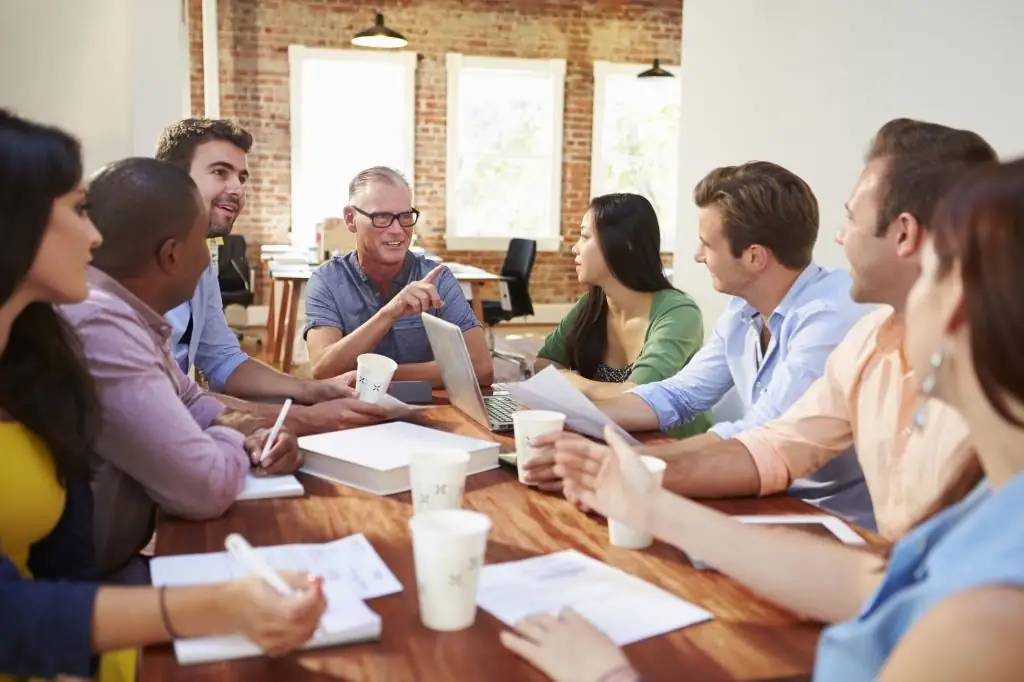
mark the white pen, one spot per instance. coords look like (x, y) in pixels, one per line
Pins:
(274, 431)
(254, 563)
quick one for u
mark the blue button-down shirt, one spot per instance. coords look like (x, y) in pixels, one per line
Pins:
(341, 295)
(214, 348)
(810, 320)
(977, 543)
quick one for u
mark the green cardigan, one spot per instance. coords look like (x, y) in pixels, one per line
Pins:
(675, 332)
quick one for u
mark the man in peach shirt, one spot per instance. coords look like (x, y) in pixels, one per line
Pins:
(865, 397)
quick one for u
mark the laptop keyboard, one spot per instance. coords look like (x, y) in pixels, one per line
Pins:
(500, 409)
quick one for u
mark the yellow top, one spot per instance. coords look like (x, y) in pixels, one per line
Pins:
(31, 503)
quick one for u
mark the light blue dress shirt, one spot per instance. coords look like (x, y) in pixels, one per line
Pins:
(809, 322)
(214, 348)
(977, 543)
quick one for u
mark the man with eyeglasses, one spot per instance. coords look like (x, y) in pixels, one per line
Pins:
(370, 299)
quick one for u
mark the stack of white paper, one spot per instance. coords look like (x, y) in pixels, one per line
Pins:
(624, 607)
(352, 571)
(549, 390)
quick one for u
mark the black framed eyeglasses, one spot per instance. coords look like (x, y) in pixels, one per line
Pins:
(383, 220)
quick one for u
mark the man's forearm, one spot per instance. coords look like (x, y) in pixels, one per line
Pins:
(724, 469)
(243, 416)
(341, 355)
(255, 380)
(630, 412)
(682, 448)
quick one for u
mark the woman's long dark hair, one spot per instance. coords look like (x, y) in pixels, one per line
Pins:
(44, 383)
(630, 238)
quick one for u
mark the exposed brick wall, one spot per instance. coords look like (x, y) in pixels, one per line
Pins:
(254, 36)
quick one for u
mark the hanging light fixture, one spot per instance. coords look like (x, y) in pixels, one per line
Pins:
(656, 72)
(379, 36)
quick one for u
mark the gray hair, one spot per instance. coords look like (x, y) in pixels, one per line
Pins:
(376, 174)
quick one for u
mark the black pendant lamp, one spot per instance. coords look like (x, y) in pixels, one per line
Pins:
(379, 36)
(656, 72)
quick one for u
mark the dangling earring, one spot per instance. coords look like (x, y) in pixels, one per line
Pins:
(928, 387)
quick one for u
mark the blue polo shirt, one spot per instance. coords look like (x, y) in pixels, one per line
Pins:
(340, 295)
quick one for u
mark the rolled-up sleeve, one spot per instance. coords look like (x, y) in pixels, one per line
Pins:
(456, 308)
(693, 390)
(151, 435)
(815, 429)
(219, 353)
(45, 627)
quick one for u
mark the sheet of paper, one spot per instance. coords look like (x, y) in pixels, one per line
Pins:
(624, 607)
(264, 487)
(350, 564)
(549, 390)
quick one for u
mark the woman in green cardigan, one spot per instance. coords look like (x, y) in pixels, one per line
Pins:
(631, 327)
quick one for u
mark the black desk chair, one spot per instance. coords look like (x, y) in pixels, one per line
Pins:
(515, 297)
(234, 274)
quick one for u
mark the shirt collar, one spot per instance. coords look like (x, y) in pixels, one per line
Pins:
(401, 279)
(101, 281)
(803, 280)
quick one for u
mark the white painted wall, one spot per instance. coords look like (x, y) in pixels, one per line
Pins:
(805, 83)
(112, 72)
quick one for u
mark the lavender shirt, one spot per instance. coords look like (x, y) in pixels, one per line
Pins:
(157, 447)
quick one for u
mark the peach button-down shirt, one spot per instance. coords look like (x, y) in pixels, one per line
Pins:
(866, 398)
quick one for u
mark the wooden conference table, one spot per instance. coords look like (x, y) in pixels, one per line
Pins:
(749, 639)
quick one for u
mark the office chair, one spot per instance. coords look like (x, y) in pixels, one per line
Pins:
(514, 290)
(234, 274)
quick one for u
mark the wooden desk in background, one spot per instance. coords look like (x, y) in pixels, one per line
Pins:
(749, 639)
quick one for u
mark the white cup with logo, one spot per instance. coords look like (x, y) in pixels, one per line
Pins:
(528, 426)
(448, 547)
(373, 376)
(438, 477)
(622, 535)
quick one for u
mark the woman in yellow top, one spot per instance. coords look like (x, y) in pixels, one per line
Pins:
(54, 619)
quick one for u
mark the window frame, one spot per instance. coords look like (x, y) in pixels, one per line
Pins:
(297, 54)
(603, 69)
(551, 239)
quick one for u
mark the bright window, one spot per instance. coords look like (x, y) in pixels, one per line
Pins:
(636, 139)
(350, 109)
(504, 176)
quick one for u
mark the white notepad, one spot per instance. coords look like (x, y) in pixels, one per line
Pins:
(265, 487)
(622, 606)
(352, 572)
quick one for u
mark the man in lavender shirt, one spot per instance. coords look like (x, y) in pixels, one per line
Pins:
(163, 442)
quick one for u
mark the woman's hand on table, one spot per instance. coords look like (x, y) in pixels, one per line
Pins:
(276, 623)
(568, 649)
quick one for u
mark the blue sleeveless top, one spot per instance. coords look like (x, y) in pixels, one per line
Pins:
(976, 543)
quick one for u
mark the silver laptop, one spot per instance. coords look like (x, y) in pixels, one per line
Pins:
(452, 356)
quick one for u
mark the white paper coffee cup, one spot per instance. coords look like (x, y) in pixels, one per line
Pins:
(448, 549)
(438, 478)
(528, 425)
(373, 376)
(622, 535)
